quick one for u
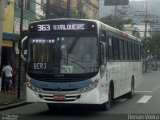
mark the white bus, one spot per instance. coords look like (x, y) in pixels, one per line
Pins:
(80, 61)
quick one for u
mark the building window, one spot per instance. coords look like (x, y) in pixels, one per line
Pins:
(17, 3)
(26, 4)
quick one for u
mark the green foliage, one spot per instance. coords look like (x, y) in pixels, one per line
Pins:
(151, 46)
(115, 21)
(85, 16)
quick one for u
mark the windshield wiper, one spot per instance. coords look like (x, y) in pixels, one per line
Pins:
(73, 45)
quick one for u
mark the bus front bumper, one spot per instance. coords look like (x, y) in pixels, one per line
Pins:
(91, 97)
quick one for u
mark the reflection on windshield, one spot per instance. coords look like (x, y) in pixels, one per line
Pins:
(64, 55)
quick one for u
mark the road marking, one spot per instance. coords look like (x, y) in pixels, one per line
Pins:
(156, 88)
(144, 99)
(143, 91)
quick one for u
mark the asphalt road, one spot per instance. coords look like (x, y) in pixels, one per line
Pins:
(146, 101)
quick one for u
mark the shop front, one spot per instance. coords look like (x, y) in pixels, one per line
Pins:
(8, 51)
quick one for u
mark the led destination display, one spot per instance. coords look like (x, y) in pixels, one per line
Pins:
(47, 27)
(66, 27)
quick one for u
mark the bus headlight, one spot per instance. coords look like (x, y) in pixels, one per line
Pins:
(90, 87)
(31, 86)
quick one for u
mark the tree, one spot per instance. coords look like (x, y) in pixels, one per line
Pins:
(151, 46)
(115, 21)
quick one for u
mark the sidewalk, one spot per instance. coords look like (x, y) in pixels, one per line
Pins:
(9, 100)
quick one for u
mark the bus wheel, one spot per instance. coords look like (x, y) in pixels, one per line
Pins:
(130, 94)
(106, 106)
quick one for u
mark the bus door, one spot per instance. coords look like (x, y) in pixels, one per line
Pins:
(103, 62)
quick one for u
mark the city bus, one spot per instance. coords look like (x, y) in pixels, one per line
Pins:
(80, 61)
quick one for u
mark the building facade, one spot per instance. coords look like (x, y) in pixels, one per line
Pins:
(8, 36)
(37, 10)
(29, 15)
(11, 28)
(91, 8)
(72, 8)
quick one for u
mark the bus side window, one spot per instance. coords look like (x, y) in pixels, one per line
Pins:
(110, 47)
(121, 49)
(139, 51)
(141, 54)
(103, 35)
(115, 48)
(129, 50)
(127, 43)
(133, 54)
(107, 47)
(118, 48)
(125, 50)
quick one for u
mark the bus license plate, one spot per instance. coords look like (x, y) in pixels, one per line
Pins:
(59, 97)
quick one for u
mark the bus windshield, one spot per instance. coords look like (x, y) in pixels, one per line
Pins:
(63, 55)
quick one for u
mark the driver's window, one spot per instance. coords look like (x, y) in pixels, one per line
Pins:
(103, 35)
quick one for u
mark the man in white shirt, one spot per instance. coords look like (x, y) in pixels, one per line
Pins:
(8, 72)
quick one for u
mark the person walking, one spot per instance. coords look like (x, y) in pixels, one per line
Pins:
(14, 68)
(8, 74)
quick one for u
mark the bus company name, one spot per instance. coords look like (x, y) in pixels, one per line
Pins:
(65, 27)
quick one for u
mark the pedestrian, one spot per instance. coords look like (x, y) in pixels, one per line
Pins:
(8, 73)
(14, 68)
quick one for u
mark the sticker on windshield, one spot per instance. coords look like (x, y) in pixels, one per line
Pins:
(63, 47)
(40, 66)
(66, 69)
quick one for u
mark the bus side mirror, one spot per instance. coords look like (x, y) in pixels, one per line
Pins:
(22, 43)
(102, 58)
(24, 34)
(103, 53)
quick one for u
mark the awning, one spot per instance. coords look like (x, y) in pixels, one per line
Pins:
(8, 39)
(7, 43)
(9, 36)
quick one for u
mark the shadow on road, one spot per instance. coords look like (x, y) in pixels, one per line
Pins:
(86, 110)
(76, 110)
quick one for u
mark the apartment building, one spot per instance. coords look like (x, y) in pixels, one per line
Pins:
(73, 9)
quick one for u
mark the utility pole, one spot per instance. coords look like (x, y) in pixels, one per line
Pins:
(115, 8)
(2, 4)
(20, 51)
(80, 8)
(146, 17)
(68, 8)
(48, 9)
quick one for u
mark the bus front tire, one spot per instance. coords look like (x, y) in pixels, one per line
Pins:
(107, 105)
(131, 93)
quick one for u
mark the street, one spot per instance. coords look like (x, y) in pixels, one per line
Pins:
(145, 101)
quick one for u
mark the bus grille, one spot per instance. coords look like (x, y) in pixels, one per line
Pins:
(67, 98)
(47, 89)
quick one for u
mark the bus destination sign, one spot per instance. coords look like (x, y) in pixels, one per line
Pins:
(62, 27)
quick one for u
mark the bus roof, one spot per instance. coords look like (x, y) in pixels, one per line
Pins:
(107, 27)
(112, 29)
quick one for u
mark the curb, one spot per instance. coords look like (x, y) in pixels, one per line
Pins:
(13, 105)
